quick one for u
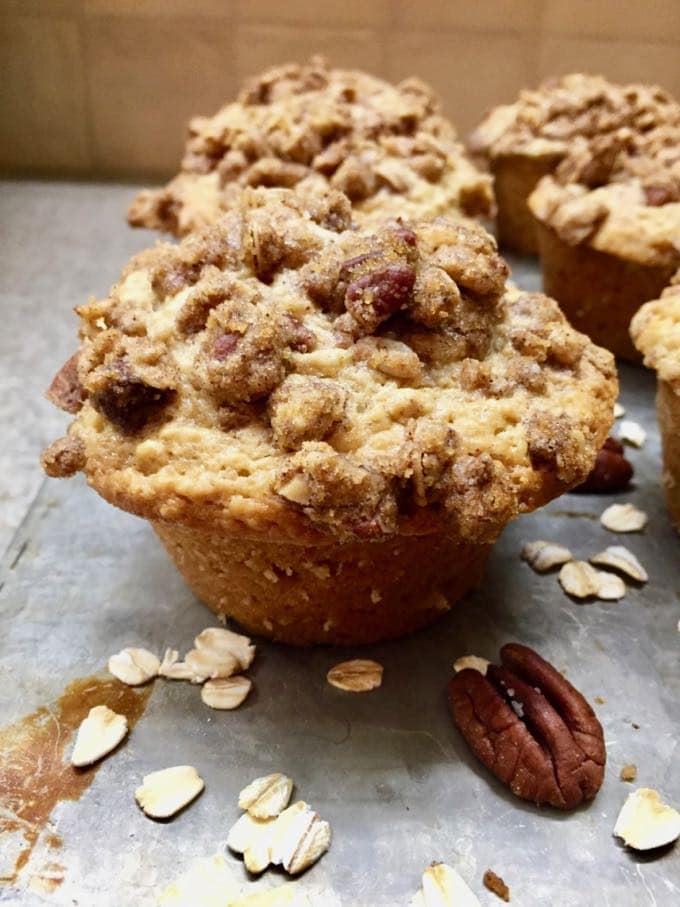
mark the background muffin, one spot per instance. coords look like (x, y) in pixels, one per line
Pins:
(388, 148)
(609, 229)
(328, 427)
(525, 141)
(656, 333)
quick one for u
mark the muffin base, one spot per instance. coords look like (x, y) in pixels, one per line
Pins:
(515, 177)
(598, 292)
(341, 594)
(668, 412)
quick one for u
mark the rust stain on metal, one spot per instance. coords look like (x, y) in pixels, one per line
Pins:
(35, 773)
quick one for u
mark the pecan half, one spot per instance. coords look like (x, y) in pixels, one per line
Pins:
(611, 472)
(531, 728)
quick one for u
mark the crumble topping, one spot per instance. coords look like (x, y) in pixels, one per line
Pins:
(619, 193)
(388, 148)
(282, 373)
(547, 120)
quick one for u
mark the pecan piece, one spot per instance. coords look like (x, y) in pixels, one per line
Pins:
(531, 728)
(655, 196)
(373, 297)
(130, 403)
(611, 472)
(66, 391)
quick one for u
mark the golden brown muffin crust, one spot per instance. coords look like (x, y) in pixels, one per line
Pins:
(388, 148)
(275, 375)
(655, 330)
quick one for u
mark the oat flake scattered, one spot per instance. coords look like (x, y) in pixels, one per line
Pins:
(134, 666)
(98, 735)
(617, 557)
(443, 887)
(471, 661)
(266, 797)
(612, 587)
(360, 675)
(226, 692)
(632, 433)
(623, 518)
(646, 822)
(579, 579)
(543, 556)
(165, 792)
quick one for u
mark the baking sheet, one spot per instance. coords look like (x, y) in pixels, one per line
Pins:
(387, 769)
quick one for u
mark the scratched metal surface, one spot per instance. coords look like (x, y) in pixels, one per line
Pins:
(80, 580)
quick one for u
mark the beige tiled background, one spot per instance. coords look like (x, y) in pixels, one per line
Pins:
(104, 87)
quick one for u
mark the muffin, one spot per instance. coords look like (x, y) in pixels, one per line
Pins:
(609, 230)
(524, 141)
(655, 330)
(329, 427)
(388, 148)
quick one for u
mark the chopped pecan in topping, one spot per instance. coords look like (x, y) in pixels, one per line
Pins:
(127, 401)
(225, 345)
(531, 728)
(129, 380)
(655, 196)
(66, 391)
(375, 296)
(298, 337)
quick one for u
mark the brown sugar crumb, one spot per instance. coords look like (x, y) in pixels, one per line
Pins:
(600, 700)
(63, 458)
(496, 884)
(628, 772)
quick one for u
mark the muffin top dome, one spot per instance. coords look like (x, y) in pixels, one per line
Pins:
(546, 120)
(283, 372)
(655, 330)
(619, 193)
(387, 147)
